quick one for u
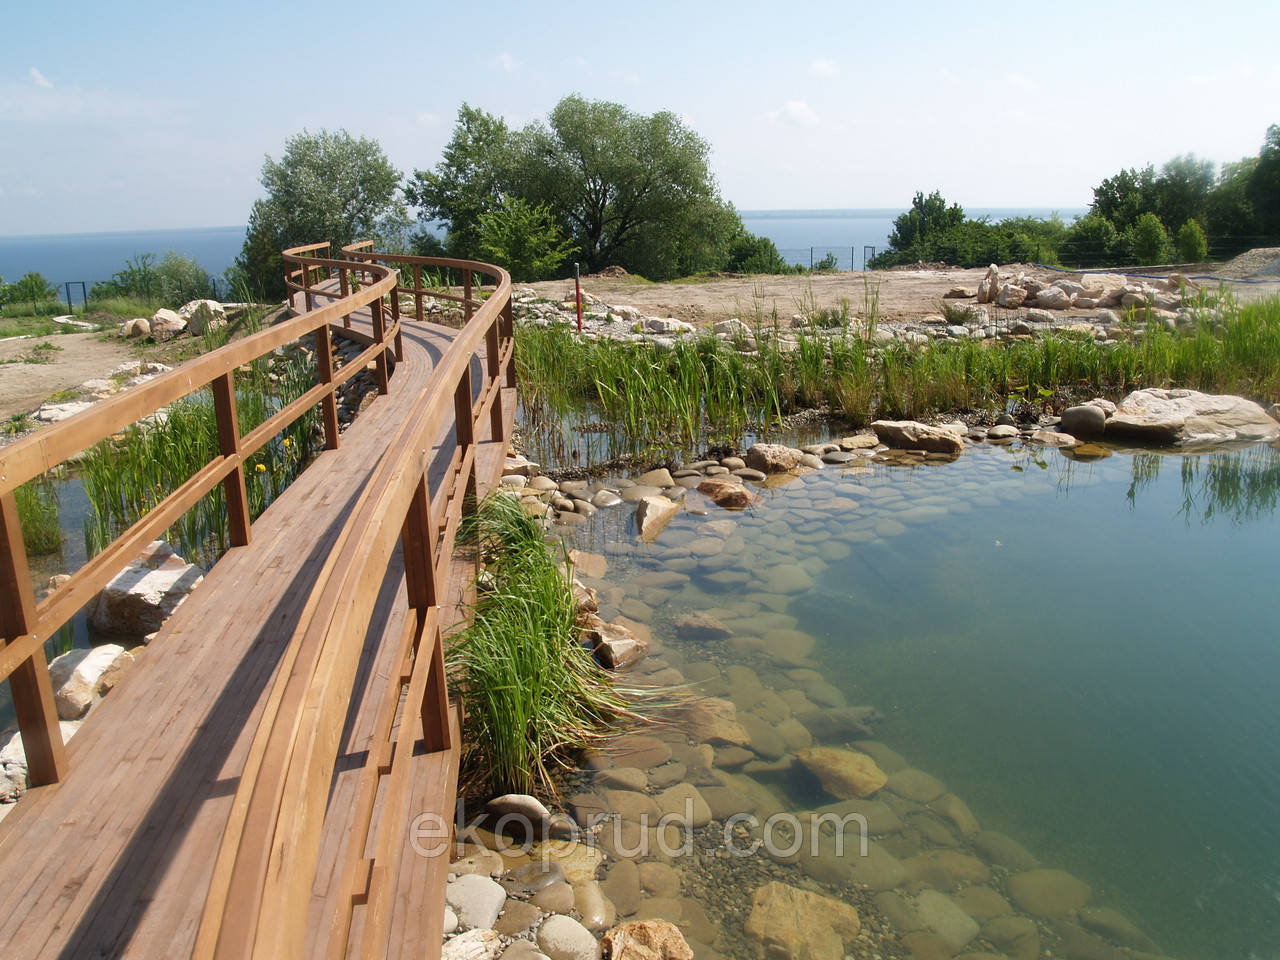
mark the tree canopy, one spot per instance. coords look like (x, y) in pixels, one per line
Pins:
(624, 188)
(326, 186)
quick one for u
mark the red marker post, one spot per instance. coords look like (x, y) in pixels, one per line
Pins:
(577, 294)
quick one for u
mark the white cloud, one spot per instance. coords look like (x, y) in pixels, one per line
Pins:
(427, 119)
(796, 113)
(39, 78)
(824, 67)
(506, 62)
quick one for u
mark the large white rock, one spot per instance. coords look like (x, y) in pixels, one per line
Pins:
(166, 324)
(666, 325)
(55, 412)
(1187, 417)
(201, 315)
(1011, 296)
(1053, 298)
(772, 457)
(77, 677)
(473, 945)
(145, 593)
(911, 435)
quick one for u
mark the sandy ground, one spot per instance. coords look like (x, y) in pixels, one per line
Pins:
(24, 386)
(903, 294)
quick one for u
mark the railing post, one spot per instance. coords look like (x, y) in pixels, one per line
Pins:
(380, 335)
(417, 290)
(306, 284)
(509, 334)
(463, 411)
(228, 420)
(345, 287)
(29, 684)
(395, 317)
(466, 295)
(493, 360)
(324, 373)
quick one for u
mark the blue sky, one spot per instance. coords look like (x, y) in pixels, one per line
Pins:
(140, 115)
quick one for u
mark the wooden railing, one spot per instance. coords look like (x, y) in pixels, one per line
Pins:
(263, 879)
(26, 624)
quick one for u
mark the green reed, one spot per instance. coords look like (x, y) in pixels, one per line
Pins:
(703, 390)
(39, 516)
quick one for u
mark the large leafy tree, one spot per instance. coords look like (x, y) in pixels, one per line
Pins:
(625, 188)
(469, 182)
(1264, 185)
(928, 219)
(325, 186)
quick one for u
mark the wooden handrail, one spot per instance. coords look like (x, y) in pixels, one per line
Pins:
(264, 874)
(26, 625)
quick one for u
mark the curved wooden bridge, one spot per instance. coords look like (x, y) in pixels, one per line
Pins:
(252, 786)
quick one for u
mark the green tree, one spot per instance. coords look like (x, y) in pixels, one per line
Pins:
(1148, 241)
(1091, 241)
(465, 185)
(1264, 184)
(928, 218)
(31, 288)
(1228, 209)
(633, 189)
(749, 253)
(1122, 199)
(1193, 245)
(326, 186)
(1182, 189)
(524, 239)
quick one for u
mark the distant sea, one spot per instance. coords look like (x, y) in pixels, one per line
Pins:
(90, 257)
(800, 235)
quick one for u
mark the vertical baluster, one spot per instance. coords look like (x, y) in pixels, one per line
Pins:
(345, 288)
(228, 420)
(509, 335)
(395, 316)
(29, 684)
(324, 373)
(492, 347)
(380, 336)
(417, 290)
(466, 294)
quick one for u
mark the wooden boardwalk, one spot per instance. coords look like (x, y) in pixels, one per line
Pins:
(160, 838)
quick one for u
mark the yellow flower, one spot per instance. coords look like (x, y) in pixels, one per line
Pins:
(261, 467)
(288, 441)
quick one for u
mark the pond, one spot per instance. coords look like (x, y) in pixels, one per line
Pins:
(1082, 652)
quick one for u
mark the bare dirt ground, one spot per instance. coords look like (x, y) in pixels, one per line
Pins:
(903, 294)
(84, 356)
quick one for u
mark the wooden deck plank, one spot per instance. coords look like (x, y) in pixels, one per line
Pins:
(125, 846)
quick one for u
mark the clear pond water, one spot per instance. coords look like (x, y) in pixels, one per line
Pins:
(1084, 652)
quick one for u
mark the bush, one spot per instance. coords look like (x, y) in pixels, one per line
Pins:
(1193, 245)
(525, 239)
(749, 253)
(1147, 240)
(175, 280)
(1091, 241)
(531, 692)
(32, 293)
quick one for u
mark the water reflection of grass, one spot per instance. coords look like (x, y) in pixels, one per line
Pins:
(1241, 485)
(702, 390)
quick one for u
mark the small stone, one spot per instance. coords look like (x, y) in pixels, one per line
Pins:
(473, 945)
(563, 938)
(843, 773)
(595, 909)
(1048, 893)
(647, 940)
(476, 900)
(554, 898)
(940, 914)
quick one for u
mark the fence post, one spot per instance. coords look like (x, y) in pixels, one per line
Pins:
(811, 259)
(29, 683)
(509, 334)
(228, 420)
(380, 335)
(417, 290)
(324, 373)
(466, 295)
(492, 348)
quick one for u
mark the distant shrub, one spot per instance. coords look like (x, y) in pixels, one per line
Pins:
(1147, 239)
(1193, 245)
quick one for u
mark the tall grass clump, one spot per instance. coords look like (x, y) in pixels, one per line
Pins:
(531, 692)
(127, 476)
(38, 517)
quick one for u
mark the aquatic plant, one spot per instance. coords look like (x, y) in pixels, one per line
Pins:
(702, 390)
(38, 516)
(532, 694)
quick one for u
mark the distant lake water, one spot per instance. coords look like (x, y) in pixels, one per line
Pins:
(92, 257)
(800, 235)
